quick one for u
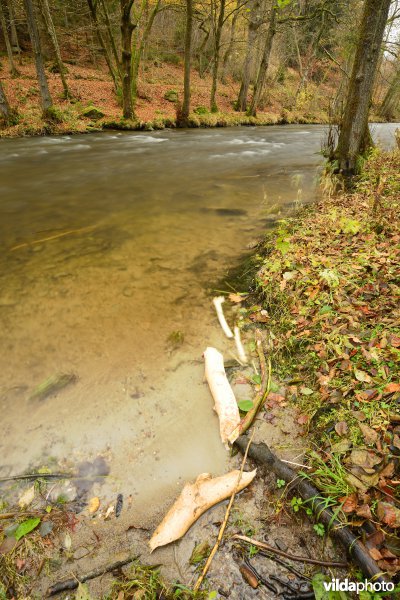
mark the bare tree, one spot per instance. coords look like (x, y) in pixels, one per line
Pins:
(127, 28)
(217, 47)
(256, 19)
(4, 105)
(188, 61)
(13, 68)
(47, 102)
(53, 35)
(391, 101)
(354, 136)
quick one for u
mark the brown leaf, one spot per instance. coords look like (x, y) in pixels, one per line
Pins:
(94, 504)
(369, 434)
(395, 341)
(364, 511)
(375, 554)
(391, 387)
(367, 459)
(362, 376)
(349, 503)
(303, 419)
(341, 428)
(388, 514)
(237, 297)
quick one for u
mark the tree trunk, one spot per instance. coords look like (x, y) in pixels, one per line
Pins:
(188, 61)
(228, 52)
(354, 136)
(262, 71)
(313, 47)
(390, 104)
(47, 102)
(13, 68)
(52, 32)
(127, 28)
(107, 56)
(217, 46)
(14, 34)
(255, 21)
(110, 34)
(139, 50)
(4, 106)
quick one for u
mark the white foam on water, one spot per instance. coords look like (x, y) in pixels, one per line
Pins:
(77, 147)
(148, 139)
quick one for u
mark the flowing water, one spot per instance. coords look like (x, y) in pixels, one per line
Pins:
(111, 245)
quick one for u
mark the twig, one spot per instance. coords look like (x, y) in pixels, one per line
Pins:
(73, 583)
(284, 564)
(303, 559)
(224, 523)
(239, 345)
(247, 421)
(52, 237)
(37, 476)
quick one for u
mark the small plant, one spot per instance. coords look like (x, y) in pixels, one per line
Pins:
(280, 483)
(296, 503)
(319, 529)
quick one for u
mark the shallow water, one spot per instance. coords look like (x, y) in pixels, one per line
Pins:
(110, 243)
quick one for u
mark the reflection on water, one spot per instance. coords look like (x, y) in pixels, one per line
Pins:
(109, 244)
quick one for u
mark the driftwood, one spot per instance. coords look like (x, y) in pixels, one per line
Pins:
(225, 403)
(73, 583)
(194, 500)
(218, 301)
(356, 549)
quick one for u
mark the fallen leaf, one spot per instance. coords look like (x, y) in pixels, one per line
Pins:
(306, 391)
(26, 527)
(349, 503)
(362, 376)
(67, 541)
(341, 428)
(237, 297)
(391, 387)
(364, 511)
(94, 504)
(369, 434)
(27, 497)
(375, 554)
(388, 514)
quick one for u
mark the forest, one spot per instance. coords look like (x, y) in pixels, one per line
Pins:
(76, 65)
(199, 299)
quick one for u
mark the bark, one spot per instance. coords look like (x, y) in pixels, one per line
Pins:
(13, 68)
(127, 28)
(262, 71)
(14, 34)
(354, 137)
(188, 60)
(110, 33)
(139, 50)
(312, 52)
(53, 35)
(4, 106)
(217, 47)
(228, 51)
(100, 37)
(255, 22)
(47, 102)
(357, 551)
(390, 104)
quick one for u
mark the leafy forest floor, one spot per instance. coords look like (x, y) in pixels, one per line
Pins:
(327, 295)
(160, 91)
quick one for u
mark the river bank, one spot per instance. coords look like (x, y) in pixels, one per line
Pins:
(94, 106)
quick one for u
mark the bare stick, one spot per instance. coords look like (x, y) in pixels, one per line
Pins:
(218, 301)
(224, 523)
(73, 583)
(303, 559)
(239, 345)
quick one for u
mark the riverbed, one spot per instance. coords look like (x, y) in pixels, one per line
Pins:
(112, 245)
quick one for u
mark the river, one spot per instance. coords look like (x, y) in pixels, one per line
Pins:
(111, 247)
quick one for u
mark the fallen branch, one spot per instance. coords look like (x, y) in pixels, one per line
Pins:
(239, 345)
(356, 549)
(259, 400)
(194, 500)
(73, 583)
(218, 301)
(224, 522)
(37, 476)
(225, 402)
(303, 559)
(53, 237)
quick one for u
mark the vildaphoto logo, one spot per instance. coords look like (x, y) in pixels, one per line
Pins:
(345, 585)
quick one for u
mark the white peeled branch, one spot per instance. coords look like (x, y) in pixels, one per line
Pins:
(218, 301)
(225, 403)
(239, 345)
(194, 500)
